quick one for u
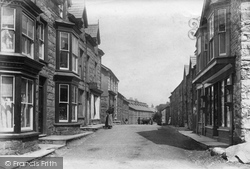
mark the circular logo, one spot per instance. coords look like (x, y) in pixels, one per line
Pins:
(8, 163)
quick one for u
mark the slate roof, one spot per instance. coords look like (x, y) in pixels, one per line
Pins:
(77, 8)
(109, 70)
(92, 30)
(140, 108)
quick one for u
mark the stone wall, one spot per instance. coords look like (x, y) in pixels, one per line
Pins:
(66, 130)
(17, 147)
(49, 15)
(240, 45)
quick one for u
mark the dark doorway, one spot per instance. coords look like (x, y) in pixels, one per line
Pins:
(42, 105)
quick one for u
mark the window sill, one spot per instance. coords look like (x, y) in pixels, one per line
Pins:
(209, 127)
(18, 135)
(224, 129)
(67, 124)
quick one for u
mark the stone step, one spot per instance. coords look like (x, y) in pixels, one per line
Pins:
(94, 127)
(62, 139)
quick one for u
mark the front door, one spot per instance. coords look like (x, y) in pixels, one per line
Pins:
(41, 105)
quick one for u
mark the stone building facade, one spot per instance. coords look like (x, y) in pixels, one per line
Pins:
(43, 72)
(138, 110)
(220, 89)
(122, 108)
(110, 90)
(176, 106)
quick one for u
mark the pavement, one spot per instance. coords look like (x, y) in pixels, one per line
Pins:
(49, 144)
(203, 140)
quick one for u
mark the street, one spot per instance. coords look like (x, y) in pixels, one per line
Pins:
(140, 146)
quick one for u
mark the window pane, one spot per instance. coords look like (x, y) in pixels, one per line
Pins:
(73, 95)
(222, 20)
(8, 19)
(7, 40)
(6, 108)
(222, 42)
(63, 111)
(29, 47)
(24, 45)
(64, 41)
(64, 60)
(23, 90)
(64, 93)
(30, 91)
(41, 32)
(7, 87)
(75, 45)
(24, 24)
(31, 29)
(26, 104)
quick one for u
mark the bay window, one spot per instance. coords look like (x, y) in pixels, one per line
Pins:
(222, 31)
(68, 103)
(27, 36)
(68, 52)
(8, 27)
(7, 103)
(27, 104)
(63, 103)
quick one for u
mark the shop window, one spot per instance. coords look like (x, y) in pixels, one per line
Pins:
(27, 104)
(7, 103)
(27, 36)
(222, 31)
(41, 41)
(63, 102)
(74, 104)
(8, 29)
(64, 51)
(228, 101)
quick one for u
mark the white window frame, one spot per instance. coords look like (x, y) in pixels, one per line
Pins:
(41, 41)
(27, 37)
(222, 32)
(11, 129)
(8, 29)
(67, 102)
(63, 50)
(27, 103)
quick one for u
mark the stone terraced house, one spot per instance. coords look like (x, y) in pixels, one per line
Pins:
(110, 91)
(122, 109)
(49, 72)
(221, 100)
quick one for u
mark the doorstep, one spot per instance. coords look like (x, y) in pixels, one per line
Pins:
(93, 127)
(62, 139)
(203, 140)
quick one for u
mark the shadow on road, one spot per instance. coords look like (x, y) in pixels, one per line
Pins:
(168, 136)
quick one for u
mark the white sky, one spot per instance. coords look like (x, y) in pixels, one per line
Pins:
(146, 43)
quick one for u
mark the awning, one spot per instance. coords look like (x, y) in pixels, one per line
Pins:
(219, 68)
